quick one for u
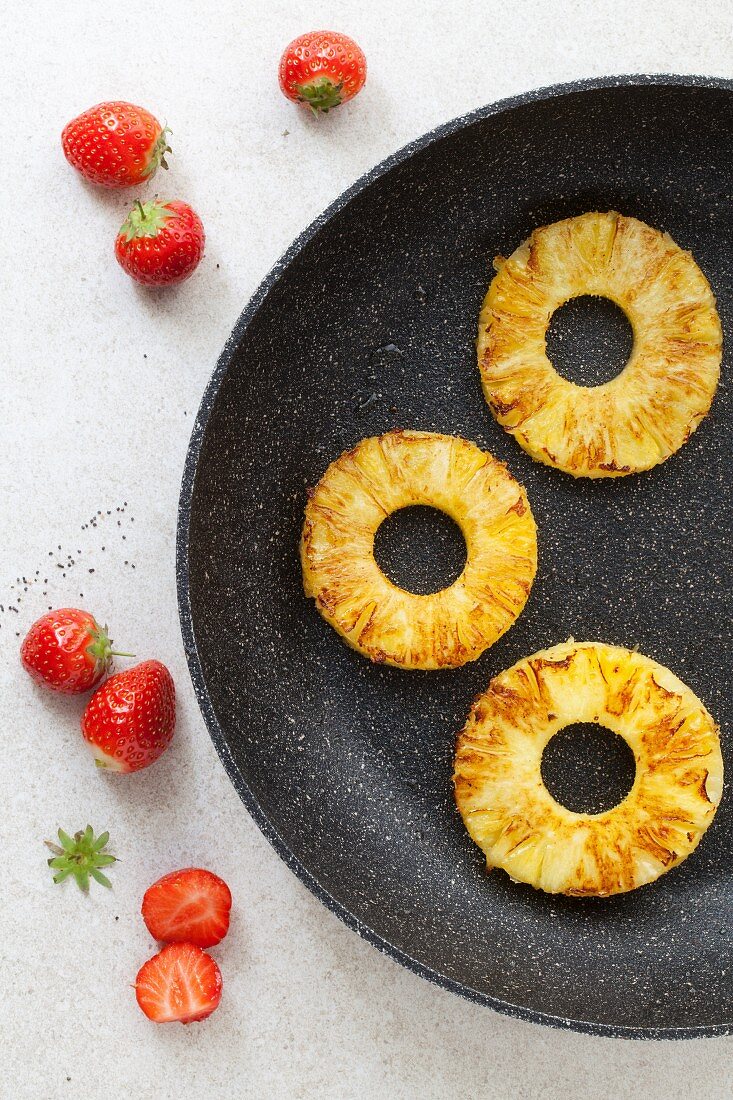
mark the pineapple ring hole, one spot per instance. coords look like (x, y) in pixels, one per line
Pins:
(588, 768)
(589, 340)
(421, 549)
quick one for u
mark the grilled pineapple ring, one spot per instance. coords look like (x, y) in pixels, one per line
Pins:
(381, 475)
(513, 818)
(651, 408)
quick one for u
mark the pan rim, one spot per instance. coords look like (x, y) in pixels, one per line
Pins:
(195, 667)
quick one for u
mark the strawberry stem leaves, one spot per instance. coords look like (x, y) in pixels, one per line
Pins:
(321, 94)
(100, 647)
(82, 856)
(157, 154)
(146, 219)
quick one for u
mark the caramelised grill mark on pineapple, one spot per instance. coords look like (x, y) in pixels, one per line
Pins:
(650, 409)
(517, 823)
(393, 471)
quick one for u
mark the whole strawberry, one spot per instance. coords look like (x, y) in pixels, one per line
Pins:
(322, 69)
(129, 721)
(67, 651)
(161, 242)
(116, 144)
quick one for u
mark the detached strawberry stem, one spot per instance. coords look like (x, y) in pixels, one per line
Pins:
(81, 856)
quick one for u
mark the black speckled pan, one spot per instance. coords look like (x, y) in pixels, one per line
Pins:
(367, 324)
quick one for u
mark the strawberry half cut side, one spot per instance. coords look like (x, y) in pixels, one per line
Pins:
(190, 905)
(181, 984)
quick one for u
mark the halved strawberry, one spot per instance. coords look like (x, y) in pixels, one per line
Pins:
(191, 905)
(179, 984)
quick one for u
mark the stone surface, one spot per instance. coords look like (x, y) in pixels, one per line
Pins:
(101, 383)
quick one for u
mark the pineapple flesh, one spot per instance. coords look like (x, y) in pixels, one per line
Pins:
(514, 819)
(387, 624)
(650, 409)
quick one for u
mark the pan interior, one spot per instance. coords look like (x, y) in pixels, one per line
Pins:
(587, 768)
(349, 764)
(589, 340)
(420, 549)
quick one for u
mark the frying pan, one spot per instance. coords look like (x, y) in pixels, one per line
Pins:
(368, 324)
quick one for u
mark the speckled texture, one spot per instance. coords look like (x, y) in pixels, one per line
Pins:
(347, 765)
(309, 1010)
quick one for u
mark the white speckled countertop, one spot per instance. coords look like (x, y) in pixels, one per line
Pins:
(100, 385)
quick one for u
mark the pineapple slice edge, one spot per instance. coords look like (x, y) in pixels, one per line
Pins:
(399, 469)
(651, 408)
(517, 823)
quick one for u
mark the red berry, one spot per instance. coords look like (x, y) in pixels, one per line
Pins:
(67, 651)
(129, 721)
(116, 144)
(322, 70)
(190, 906)
(161, 242)
(179, 984)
